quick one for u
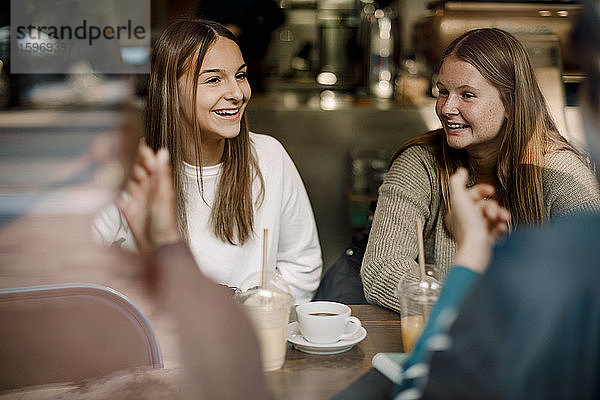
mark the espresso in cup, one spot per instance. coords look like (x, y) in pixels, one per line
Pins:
(326, 322)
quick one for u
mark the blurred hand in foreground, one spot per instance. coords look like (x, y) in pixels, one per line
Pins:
(149, 203)
(223, 360)
(475, 221)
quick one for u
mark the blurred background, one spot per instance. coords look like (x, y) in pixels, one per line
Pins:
(341, 83)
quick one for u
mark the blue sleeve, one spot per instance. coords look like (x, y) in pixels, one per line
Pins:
(456, 286)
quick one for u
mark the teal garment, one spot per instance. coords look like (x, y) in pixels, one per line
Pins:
(458, 283)
(528, 328)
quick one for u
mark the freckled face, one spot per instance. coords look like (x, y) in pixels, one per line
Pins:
(222, 94)
(469, 107)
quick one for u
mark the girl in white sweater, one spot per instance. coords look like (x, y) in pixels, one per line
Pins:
(230, 183)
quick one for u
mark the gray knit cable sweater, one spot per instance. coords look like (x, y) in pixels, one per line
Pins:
(412, 190)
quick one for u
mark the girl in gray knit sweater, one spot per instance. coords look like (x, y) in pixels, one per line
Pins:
(495, 123)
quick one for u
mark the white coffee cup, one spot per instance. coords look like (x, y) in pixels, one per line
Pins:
(326, 322)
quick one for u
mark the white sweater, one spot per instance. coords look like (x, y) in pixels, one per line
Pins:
(293, 243)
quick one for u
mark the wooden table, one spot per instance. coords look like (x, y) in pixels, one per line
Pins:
(313, 377)
(303, 376)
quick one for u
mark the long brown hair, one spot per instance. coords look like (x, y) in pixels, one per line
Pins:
(181, 48)
(530, 132)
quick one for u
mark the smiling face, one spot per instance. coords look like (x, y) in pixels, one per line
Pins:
(469, 107)
(222, 93)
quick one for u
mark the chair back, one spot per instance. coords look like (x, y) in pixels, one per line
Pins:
(70, 332)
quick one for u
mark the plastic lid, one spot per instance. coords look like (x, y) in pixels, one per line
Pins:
(427, 286)
(275, 293)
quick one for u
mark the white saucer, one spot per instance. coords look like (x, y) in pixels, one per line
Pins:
(295, 337)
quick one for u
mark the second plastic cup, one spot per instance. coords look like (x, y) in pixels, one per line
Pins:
(417, 298)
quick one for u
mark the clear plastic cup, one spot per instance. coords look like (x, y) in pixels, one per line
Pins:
(417, 298)
(269, 312)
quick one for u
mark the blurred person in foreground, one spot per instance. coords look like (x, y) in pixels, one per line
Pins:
(228, 365)
(496, 125)
(529, 327)
(52, 242)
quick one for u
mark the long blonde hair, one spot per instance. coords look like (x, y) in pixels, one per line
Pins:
(530, 132)
(181, 48)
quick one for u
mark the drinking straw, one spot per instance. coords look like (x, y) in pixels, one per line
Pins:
(421, 256)
(263, 282)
